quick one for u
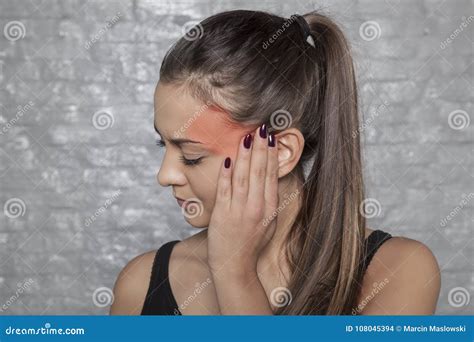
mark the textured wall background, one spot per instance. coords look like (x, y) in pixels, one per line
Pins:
(77, 153)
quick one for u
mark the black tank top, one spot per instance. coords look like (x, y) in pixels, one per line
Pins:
(159, 299)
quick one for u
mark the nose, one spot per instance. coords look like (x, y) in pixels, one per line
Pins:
(170, 172)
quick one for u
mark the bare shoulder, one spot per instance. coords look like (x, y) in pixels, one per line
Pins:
(404, 255)
(132, 284)
(402, 279)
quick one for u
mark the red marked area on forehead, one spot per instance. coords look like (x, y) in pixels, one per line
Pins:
(215, 129)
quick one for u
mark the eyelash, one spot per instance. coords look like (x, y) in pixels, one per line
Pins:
(160, 143)
(188, 162)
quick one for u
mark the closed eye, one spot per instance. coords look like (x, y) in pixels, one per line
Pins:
(188, 162)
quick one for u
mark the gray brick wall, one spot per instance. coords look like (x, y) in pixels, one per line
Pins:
(76, 86)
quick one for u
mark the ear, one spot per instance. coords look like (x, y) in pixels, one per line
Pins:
(290, 143)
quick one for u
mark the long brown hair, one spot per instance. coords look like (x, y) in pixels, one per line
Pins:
(254, 64)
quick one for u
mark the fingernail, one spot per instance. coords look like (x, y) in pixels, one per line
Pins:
(227, 163)
(263, 131)
(271, 140)
(248, 140)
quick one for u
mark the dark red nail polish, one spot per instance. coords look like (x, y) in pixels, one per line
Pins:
(271, 140)
(248, 141)
(227, 163)
(263, 131)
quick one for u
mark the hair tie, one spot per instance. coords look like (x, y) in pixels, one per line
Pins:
(304, 26)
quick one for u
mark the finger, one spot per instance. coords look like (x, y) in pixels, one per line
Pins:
(271, 180)
(240, 172)
(224, 184)
(258, 170)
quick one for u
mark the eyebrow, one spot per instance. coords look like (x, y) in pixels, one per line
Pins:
(178, 141)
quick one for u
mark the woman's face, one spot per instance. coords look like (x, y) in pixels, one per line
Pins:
(198, 137)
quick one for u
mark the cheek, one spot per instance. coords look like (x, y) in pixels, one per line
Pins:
(203, 180)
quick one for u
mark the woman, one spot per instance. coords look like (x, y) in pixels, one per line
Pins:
(259, 118)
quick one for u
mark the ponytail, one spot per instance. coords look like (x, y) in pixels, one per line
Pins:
(325, 244)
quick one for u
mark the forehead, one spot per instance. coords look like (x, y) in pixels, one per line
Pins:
(173, 106)
(179, 115)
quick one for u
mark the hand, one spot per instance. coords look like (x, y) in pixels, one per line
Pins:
(244, 219)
